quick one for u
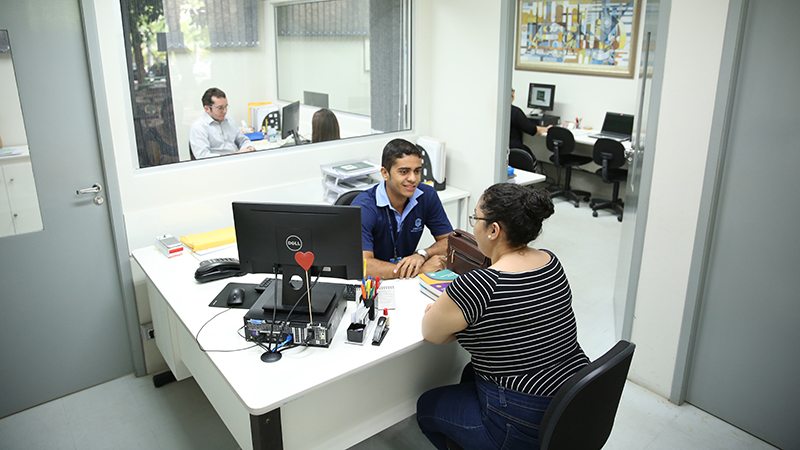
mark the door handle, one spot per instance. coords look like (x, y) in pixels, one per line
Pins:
(629, 152)
(92, 190)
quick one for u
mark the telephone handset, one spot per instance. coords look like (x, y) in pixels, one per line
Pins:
(217, 269)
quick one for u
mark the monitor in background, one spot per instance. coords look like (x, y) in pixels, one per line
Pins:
(541, 96)
(291, 121)
(318, 99)
(269, 235)
(616, 126)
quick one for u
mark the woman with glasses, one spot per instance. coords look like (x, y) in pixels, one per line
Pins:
(516, 321)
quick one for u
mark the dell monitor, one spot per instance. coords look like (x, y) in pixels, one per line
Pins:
(541, 96)
(269, 235)
(291, 121)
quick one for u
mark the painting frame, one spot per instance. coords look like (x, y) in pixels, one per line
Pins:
(593, 37)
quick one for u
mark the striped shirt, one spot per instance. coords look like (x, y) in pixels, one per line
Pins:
(521, 331)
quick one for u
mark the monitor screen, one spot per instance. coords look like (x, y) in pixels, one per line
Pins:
(269, 235)
(291, 120)
(541, 96)
(618, 123)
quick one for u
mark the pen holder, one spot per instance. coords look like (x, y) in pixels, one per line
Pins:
(369, 303)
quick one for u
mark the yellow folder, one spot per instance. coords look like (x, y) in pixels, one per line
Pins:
(210, 239)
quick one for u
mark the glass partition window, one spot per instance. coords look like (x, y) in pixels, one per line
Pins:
(19, 202)
(350, 56)
(327, 45)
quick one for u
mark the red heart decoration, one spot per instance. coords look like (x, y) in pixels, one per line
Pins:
(304, 259)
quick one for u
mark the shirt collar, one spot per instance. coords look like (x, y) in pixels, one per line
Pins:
(209, 120)
(382, 199)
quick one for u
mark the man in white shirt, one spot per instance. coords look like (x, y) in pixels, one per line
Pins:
(213, 134)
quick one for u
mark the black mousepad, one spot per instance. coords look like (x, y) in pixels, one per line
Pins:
(250, 296)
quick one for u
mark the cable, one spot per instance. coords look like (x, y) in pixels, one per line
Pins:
(303, 296)
(200, 346)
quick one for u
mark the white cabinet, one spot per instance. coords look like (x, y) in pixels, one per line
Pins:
(19, 204)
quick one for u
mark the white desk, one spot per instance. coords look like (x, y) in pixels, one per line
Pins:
(524, 177)
(582, 137)
(313, 398)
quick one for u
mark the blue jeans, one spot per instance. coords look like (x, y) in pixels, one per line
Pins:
(477, 414)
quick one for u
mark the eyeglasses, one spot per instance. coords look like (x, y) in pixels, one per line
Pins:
(473, 219)
(220, 108)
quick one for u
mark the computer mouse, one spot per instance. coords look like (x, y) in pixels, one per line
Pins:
(236, 297)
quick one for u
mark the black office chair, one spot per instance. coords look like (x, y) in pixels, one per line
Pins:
(191, 155)
(610, 155)
(521, 159)
(347, 198)
(561, 142)
(582, 412)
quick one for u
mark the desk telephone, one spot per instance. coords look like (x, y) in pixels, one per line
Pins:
(217, 269)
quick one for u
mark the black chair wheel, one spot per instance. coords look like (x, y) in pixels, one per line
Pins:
(591, 205)
(586, 199)
(577, 204)
(594, 213)
(619, 218)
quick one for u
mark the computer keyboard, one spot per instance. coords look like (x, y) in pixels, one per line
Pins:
(261, 287)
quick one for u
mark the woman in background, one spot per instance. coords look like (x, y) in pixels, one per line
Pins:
(516, 321)
(324, 126)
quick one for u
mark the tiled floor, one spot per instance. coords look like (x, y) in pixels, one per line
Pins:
(129, 413)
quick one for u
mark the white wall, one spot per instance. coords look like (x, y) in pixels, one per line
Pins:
(455, 90)
(584, 96)
(12, 127)
(687, 104)
(305, 65)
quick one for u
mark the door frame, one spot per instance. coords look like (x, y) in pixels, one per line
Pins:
(709, 196)
(627, 284)
(113, 197)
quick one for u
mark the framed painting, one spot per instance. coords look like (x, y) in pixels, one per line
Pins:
(590, 37)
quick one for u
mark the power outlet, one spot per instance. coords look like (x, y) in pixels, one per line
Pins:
(147, 331)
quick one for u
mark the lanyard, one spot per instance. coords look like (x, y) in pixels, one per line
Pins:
(394, 260)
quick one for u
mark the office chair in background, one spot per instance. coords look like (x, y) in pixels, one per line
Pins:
(610, 155)
(561, 142)
(582, 412)
(521, 159)
(347, 198)
(191, 155)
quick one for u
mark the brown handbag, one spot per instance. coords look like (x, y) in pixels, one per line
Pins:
(463, 254)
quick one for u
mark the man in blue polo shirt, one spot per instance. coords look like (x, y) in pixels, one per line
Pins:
(394, 213)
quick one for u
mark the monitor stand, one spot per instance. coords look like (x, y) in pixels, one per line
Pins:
(322, 295)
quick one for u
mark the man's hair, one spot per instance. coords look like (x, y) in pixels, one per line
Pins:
(396, 149)
(212, 92)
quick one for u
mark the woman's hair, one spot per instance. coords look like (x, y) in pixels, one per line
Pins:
(518, 209)
(324, 126)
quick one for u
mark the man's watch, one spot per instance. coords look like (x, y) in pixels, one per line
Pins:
(423, 253)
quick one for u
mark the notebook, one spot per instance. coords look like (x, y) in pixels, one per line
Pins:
(616, 126)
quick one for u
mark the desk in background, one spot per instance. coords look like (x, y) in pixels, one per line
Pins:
(525, 178)
(583, 146)
(313, 398)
